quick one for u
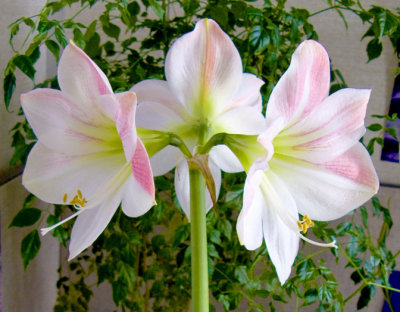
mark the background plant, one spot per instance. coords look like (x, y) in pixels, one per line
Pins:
(147, 260)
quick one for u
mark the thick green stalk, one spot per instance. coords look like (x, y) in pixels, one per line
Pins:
(198, 242)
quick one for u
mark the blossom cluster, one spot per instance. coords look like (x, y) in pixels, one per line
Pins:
(97, 150)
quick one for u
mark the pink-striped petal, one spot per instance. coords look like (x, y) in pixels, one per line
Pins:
(125, 122)
(303, 86)
(141, 170)
(330, 129)
(54, 121)
(329, 191)
(83, 81)
(203, 69)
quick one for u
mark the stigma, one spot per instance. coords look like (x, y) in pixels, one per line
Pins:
(307, 223)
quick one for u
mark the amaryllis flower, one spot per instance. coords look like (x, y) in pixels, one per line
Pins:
(314, 164)
(206, 92)
(88, 154)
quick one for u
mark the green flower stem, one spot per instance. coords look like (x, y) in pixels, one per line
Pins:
(198, 242)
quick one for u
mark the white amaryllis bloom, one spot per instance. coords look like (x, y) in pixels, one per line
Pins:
(88, 154)
(206, 92)
(314, 163)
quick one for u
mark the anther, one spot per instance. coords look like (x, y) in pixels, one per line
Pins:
(305, 224)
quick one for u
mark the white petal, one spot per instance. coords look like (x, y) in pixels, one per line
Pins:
(157, 91)
(281, 232)
(303, 86)
(59, 126)
(182, 185)
(330, 129)
(90, 224)
(331, 190)
(225, 159)
(49, 175)
(249, 223)
(203, 68)
(135, 200)
(248, 93)
(216, 174)
(157, 116)
(165, 160)
(240, 120)
(282, 243)
(83, 82)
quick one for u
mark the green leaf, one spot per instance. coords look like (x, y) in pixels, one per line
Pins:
(356, 278)
(60, 37)
(24, 63)
(119, 291)
(26, 217)
(241, 274)
(112, 30)
(375, 127)
(29, 201)
(133, 8)
(215, 237)
(8, 87)
(392, 132)
(364, 216)
(54, 48)
(374, 49)
(181, 234)
(78, 38)
(28, 22)
(310, 296)
(30, 246)
(34, 55)
(225, 227)
(212, 251)
(157, 8)
(90, 31)
(366, 295)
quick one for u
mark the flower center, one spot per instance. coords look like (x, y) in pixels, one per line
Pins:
(78, 201)
(305, 224)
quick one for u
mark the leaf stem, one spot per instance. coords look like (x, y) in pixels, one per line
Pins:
(199, 242)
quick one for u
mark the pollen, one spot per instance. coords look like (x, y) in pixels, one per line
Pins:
(78, 200)
(305, 224)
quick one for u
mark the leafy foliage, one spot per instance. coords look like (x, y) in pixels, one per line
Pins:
(146, 260)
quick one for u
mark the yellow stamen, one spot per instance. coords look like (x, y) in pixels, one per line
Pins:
(305, 224)
(78, 199)
(65, 198)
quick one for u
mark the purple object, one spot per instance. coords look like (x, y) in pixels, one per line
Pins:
(390, 150)
(394, 281)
